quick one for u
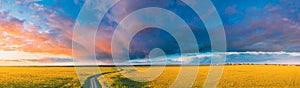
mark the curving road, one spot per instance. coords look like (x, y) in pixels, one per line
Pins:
(92, 82)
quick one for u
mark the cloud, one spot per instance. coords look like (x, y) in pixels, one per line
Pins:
(26, 58)
(42, 29)
(37, 26)
(232, 57)
(34, 39)
(261, 25)
(11, 55)
(36, 7)
(231, 10)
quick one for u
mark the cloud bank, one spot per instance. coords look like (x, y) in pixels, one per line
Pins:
(45, 26)
(232, 57)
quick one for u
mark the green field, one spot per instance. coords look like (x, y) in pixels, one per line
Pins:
(233, 76)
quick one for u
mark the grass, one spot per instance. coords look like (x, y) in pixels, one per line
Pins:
(117, 80)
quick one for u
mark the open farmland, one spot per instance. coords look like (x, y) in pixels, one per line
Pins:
(28, 77)
(45, 77)
(233, 76)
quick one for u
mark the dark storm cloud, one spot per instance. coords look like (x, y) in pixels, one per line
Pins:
(261, 25)
(250, 25)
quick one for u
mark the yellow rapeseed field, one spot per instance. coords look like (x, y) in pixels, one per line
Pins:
(238, 76)
(41, 77)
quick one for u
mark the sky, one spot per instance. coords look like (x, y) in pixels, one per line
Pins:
(40, 32)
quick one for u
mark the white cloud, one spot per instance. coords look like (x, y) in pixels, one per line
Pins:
(17, 55)
(265, 53)
(239, 57)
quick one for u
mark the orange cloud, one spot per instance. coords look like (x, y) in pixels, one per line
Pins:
(13, 37)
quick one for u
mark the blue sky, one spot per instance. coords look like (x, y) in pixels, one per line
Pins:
(45, 26)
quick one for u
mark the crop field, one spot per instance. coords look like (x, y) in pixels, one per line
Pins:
(233, 76)
(45, 77)
(28, 77)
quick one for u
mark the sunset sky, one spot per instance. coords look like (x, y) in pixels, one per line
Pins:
(39, 32)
